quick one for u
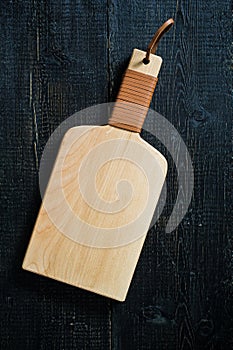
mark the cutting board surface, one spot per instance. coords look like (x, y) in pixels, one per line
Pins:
(97, 209)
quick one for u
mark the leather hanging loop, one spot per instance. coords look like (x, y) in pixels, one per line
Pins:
(152, 47)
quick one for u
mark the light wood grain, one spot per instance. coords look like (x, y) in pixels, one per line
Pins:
(136, 63)
(55, 251)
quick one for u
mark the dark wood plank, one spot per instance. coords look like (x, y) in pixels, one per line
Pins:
(180, 295)
(53, 63)
(56, 58)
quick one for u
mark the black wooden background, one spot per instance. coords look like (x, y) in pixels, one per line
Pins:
(58, 57)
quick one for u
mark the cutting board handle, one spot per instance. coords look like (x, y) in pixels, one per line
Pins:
(136, 91)
(138, 85)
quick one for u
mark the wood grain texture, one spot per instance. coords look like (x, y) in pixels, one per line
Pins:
(181, 294)
(136, 63)
(91, 228)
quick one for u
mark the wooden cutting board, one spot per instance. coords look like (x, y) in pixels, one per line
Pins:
(102, 194)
